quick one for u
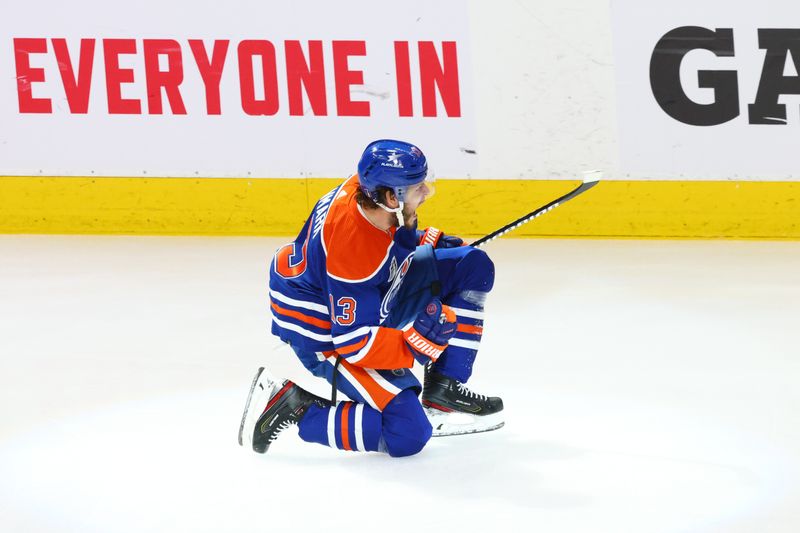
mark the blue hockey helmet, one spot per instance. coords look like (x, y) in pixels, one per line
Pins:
(396, 165)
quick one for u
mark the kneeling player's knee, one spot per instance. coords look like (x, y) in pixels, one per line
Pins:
(481, 270)
(406, 429)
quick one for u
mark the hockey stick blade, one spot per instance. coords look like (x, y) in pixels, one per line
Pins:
(590, 179)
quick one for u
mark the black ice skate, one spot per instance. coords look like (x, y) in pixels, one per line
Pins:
(453, 409)
(272, 407)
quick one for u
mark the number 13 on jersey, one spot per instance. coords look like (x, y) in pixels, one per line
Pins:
(344, 312)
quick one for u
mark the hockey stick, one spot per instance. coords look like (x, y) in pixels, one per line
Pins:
(590, 179)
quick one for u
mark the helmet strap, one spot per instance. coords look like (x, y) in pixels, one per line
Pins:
(397, 211)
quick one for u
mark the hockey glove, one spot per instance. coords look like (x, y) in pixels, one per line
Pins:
(438, 239)
(431, 332)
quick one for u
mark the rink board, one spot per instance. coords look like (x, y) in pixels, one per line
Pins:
(186, 206)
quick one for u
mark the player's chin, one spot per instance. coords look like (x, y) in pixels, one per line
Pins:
(410, 220)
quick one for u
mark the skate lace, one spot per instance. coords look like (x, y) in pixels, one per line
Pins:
(470, 394)
(283, 425)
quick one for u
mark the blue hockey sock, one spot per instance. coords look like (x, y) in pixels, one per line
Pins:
(406, 428)
(457, 359)
(348, 426)
(467, 276)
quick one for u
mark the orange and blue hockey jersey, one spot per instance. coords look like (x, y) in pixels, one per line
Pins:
(332, 287)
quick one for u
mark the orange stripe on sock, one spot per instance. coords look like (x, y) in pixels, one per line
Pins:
(300, 316)
(472, 330)
(346, 427)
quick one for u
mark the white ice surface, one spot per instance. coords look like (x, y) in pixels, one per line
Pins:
(650, 386)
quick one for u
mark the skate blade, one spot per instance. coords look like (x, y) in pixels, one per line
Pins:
(260, 392)
(453, 423)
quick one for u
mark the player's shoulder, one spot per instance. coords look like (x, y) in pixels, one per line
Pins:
(356, 250)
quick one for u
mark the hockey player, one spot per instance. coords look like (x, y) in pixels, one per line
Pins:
(360, 295)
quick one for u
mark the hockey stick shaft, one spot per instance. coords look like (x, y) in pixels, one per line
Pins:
(590, 180)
